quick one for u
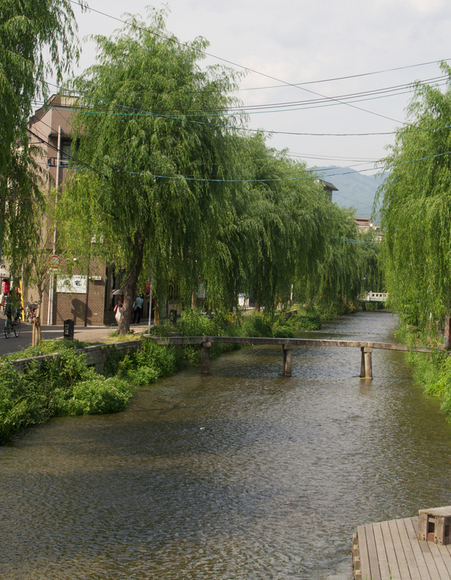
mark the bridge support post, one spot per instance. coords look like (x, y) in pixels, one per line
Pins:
(205, 358)
(366, 364)
(287, 360)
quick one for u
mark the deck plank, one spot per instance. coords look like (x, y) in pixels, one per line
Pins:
(445, 552)
(372, 554)
(414, 569)
(381, 552)
(400, 551)
(365, 566)
(429, 559)
(438, 559)
(391, 554)
(411, 525)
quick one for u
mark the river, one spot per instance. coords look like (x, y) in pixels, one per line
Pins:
(239, 475)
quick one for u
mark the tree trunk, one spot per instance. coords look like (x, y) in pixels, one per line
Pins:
(156, 314)
(131, 281)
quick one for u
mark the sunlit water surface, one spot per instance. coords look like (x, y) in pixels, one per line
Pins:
(239, 475)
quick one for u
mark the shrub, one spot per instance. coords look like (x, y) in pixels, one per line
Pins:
(256, 325)
(195, 323)
(93, 397)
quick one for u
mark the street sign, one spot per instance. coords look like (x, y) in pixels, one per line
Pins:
(54, 262)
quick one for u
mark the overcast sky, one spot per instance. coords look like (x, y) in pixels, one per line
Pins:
(300, 41)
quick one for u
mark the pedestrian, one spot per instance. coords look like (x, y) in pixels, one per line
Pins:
(138, 306)
(118, 310)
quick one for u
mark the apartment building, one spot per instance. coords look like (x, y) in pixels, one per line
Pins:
(86, 298)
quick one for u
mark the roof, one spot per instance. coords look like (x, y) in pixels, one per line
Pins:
(328, 185)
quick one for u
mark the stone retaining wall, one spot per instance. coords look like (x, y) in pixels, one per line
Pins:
(96, 355)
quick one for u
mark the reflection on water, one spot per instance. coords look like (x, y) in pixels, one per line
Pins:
(239, 475)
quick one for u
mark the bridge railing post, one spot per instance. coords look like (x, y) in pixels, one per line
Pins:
(366, 363)
(205, 358)
(287, 360)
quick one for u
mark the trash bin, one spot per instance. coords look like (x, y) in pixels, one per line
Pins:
(69, 329)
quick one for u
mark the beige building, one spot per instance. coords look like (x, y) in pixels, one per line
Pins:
(87, 300)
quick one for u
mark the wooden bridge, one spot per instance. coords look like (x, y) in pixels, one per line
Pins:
(205, 342)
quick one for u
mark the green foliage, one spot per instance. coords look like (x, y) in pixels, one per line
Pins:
(194, 323)
(66, 386)
(59, 386)
(145, 146)
(92, 397)
(281, 328)
(144, 366)
(48, 347)
(276, 229)
(37, 38)
(305, 319)
(431, 371)
(416, 210)
(434, 373)
(255, 325)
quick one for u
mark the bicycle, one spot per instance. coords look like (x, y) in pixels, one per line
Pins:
(13, 325)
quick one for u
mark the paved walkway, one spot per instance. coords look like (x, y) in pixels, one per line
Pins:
(87, 334)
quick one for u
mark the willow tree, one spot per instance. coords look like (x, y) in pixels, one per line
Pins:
(150, 125)
(350, 264)
(416, 210)
(277, 226)
(37, 38)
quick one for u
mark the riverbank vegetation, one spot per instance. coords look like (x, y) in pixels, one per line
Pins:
(65, 386)
(416, 210)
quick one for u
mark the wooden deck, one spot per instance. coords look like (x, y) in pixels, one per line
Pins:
(391, 551)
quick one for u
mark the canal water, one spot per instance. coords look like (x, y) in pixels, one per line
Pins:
(239, 475)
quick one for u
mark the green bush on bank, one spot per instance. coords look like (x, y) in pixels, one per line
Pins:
(67, 386)
(431, 371)
(256, 324)
(434, 375)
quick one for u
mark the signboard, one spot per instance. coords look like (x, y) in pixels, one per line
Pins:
(71, 284)
(54, 262)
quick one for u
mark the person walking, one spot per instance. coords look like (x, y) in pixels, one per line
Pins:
(137, 309)
(118, 310)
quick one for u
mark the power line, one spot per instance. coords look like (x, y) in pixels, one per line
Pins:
(269, 180)
(300, 133)
(347, 77)
(382, 92)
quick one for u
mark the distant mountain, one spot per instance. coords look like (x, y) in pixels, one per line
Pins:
(355, 189)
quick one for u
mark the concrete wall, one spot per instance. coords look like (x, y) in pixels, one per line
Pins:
(96, 355)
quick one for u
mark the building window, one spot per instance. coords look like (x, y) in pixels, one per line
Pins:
(65, 152)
